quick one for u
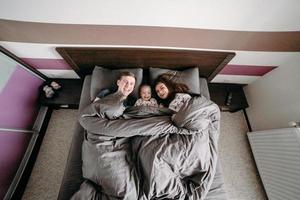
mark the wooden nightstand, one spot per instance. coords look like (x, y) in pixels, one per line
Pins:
(221, 92)
(68, 96)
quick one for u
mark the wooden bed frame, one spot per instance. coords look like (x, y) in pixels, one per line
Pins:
(84, 59)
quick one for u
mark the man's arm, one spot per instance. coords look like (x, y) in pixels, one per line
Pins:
(102, 93)
(130, 101)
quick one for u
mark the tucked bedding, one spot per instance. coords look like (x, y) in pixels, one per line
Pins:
(148, 152)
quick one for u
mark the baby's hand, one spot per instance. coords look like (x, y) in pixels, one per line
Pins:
(161, 106)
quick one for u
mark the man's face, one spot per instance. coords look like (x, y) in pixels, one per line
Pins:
(126, 85)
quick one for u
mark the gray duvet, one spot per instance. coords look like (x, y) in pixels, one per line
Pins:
(148, 153)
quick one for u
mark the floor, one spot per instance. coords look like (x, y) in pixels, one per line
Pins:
(47, 173)
(240, 175)
(241, 179)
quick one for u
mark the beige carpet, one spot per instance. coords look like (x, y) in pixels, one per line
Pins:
(48, 170)
(240, 176)
(241, 179)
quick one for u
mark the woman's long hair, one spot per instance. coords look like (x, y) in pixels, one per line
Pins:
(170, 81)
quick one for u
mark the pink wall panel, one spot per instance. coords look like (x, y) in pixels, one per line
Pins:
(246, 70)
(18, 100)
(47, 63)
(13, 146)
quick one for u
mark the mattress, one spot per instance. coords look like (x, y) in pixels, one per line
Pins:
(72, 178)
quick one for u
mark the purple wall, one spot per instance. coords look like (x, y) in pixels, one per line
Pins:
(12, 149)
(18, 110)
(18, 100)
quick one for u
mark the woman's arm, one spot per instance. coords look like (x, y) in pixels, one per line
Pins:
(178, 101)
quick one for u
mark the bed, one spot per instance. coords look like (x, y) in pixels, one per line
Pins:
(83, 61)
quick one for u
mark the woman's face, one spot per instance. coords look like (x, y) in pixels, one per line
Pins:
(162, 90)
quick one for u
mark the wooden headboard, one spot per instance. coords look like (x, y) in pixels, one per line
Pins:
(84, 59)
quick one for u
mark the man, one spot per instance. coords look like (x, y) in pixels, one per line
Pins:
(125, 82)
(103, 155)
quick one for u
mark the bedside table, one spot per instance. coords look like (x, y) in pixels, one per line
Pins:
(67, 96)
(229, 97)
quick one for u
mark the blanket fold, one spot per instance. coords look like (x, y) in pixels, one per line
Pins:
(148, 153)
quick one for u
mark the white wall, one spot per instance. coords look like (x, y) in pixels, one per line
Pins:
(274, 99)
(249, 15)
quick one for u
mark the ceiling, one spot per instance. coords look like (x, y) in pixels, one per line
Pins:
(251, 15)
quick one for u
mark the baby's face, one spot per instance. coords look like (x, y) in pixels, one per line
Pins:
(146, 93)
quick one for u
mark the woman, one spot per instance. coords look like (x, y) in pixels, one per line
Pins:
(171, 94)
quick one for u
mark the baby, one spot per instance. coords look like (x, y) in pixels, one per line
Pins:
(145, 97)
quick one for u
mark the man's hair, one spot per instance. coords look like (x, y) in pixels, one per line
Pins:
(126, 73)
